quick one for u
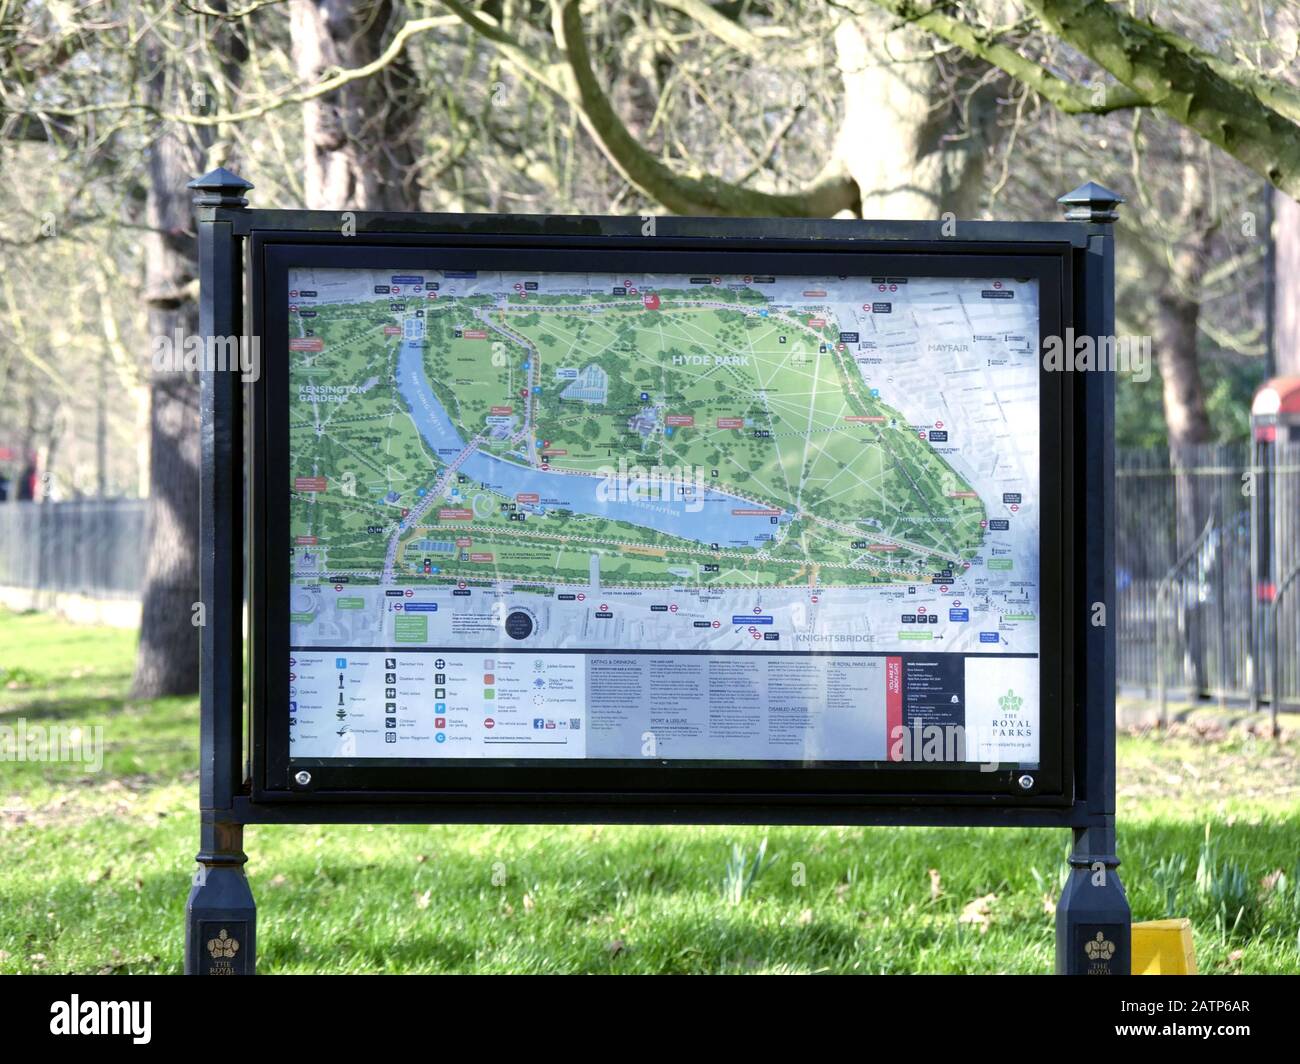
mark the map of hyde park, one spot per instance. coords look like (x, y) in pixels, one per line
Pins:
(831, 455)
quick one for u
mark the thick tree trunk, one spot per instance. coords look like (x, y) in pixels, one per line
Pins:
(1286, 285)
(1189, 427)
(167, 661)
(1177, 344)
(1178, 310)
(902, 138)
(1177, 330)
(358, 141)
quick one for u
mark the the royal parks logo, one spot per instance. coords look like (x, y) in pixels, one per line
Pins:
(1010, 702)
(1099, 948)
(1101, 952)
(223, 947)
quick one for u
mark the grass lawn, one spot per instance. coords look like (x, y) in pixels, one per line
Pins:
(95, 866)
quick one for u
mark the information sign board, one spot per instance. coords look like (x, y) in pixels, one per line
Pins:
(537, 519)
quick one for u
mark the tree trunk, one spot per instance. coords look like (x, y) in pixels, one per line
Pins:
(1189, 427)
(902, 138)
(167, 662)
(1177, 330)
(1286, 285)
(358, 141)
(1177, 343)
(26, 487)
(1178, 310)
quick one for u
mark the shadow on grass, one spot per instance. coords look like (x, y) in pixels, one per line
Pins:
(78, 710)
(638, 899)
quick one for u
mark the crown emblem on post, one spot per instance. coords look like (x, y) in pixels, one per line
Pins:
(223, 945)
(1100, 948)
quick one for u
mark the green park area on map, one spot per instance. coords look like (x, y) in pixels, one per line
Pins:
(763, 404)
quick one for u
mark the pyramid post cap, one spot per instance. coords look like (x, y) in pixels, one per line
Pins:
(1091, 202)
(220, 188)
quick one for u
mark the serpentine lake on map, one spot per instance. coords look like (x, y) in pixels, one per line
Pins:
(730, 465)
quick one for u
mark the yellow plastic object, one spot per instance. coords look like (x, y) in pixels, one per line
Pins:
(1163, 947)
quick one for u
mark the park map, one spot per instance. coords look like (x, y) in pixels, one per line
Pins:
(573, 460)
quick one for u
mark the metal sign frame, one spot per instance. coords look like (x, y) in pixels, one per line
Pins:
(628, 789)
(246, 774)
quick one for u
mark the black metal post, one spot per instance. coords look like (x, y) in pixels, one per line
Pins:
(1275, 661)
(1264, 435)
(220, 929)
(1093, 919)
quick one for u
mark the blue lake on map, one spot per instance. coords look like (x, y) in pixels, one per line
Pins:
(711, 522)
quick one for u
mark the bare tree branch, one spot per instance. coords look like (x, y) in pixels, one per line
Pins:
(1176, 78)
(730, 32)
(410, 28)
(978, 41)
(685, 195)
(575, 82)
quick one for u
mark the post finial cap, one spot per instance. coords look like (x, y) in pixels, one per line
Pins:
(220, 188)
(1091, 202)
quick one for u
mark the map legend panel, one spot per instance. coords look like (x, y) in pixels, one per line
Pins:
(366, 704)
(620, 706)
